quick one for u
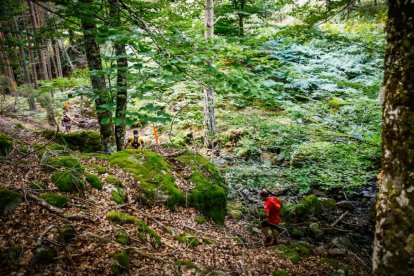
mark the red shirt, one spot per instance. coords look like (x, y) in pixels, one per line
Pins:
(272, 207)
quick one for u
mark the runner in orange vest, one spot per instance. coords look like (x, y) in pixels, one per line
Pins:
(272, 207)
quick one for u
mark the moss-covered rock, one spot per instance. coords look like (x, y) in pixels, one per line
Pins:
(85, 141)
(44, 255)
(122, 237)
(210, 194)
(119, 195)
(114, 181)
(235, 210)
(122, 260)
(316, 229)
(200, 219)
(66, 161)
(305, 208)
(93, 180)
(67, 233)
(289, 253)
(302, 249)
(122, 218)
(56, 200)
(66, 181)
(38, 185)
(9, 201)
(98, 168)
(154, 174)
(189, 239)
(6, 144)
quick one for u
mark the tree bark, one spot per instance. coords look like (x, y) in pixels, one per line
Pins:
(394, 235)
(241, 18)
(121, 80)
(93, 56)
(32, 61)
(58, 59)
(209, 112)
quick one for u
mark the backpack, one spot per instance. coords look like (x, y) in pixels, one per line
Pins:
(66, 119)
(135, 143)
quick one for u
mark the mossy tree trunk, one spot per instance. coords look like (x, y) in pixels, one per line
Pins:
(93, 56)
(121, 80)
(394, 235)
(209, 111)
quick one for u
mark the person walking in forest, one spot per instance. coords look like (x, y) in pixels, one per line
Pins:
(272, 207)
(135, 141)
(67, 122)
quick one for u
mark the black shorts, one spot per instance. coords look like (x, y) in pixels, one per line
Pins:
(265, 224)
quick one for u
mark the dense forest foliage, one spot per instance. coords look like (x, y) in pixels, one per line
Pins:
(230, 97)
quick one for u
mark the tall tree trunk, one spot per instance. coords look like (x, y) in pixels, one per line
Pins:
(23, 62)
(241, 18)
(209, 116)
(93, 56)
(32, 61)
(58, 60)
(394, 235)
(121, 80)
(40, 51)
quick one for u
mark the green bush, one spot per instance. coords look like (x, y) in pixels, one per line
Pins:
(68, 162)
(66, 181)
(94, 181)
(85, 141)
(56, 200)
(9, 201)
(6, 144)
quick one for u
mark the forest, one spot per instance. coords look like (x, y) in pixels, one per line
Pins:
(206, 137)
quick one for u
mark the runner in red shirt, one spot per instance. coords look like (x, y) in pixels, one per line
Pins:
(272, 207)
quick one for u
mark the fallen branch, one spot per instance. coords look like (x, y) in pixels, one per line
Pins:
(43, 234)
(339, 219)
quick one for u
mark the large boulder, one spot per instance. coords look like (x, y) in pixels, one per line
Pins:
(84, 141)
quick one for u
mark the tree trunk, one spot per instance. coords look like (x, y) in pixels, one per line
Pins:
(93, 56)
(241, 18)
(58, 60)
(209, 116)
(31, 55)
(394, 235)
(121, 80)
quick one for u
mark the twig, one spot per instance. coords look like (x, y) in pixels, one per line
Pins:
(339, 219)
(43, 234)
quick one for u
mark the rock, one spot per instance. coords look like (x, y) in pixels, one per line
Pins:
(56, 200)
(328, 203)
(44, 255)
(66, 181)
(318, 192)
(346, 205)
(316, 229)
(336, 252)
(245, 192)
(320, 251)
(238, 186)
(67, 233)
(93, 180)
(122, 237)
(342, 242)
(236, 214)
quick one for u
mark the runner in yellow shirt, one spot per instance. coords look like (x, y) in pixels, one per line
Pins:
(135, 141)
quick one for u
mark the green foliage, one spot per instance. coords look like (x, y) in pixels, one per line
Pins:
(6, 144)
(84, 141)
(122, 237)
(94, 181)
(66, 181)
(153, 172)
(9, 201)
(122, 218)
(56, 200)
(67, 162)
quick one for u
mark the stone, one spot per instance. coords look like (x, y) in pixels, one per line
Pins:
(316, 229)
(345, 205)
(318, 192)
(336, 252)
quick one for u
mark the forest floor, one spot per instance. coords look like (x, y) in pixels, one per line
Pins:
(233, 249)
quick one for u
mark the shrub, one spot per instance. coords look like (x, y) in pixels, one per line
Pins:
(66, 181)
(56, 200)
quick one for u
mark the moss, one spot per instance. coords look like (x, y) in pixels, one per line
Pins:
(98, 168)
(143, 229)
(289, 253)
(154, 174)
(6, 144)
(44, 255)
(19, 126)
(210, 194)
(118, 196)
(15, 252)
(122, 260)
(302, 249)
(65, 181)
(9, 201)
(280, 272)
(188, 264)
(336, 102)
(122, 237)
(84, 141)
(236, 214)
(189, 239)
(68, 162)
(328, 203)
(38, 185)
(122, 218)
(56, 200)
(94, 181)
(114, 181)
(305, 208)
(200, 219)
(67, 233)
(335, 264)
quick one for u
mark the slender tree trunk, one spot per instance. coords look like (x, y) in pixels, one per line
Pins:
(241, 18)
(209, 116)
(121, 80)
(394, 235)
(65, 52)
(58, 60)
(98, 81)
(32, 61)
